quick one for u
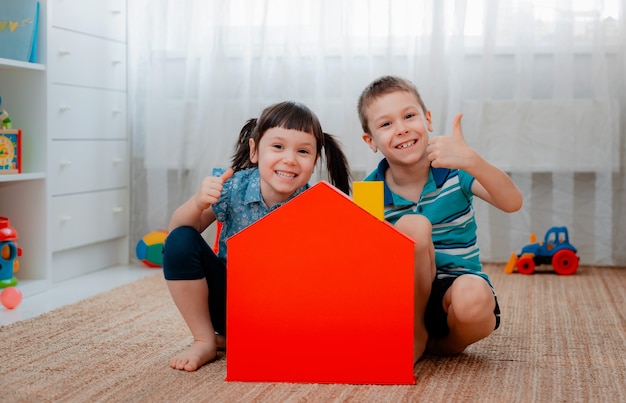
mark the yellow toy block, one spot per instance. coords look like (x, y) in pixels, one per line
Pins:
(369, 196)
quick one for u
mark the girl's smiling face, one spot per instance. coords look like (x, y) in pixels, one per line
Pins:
(286, 160)
(398, 127)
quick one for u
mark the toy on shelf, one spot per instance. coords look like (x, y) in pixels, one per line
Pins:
(5, 120)
(10, 145)
(19, 26)
(10, 151)
(150, 248)
(555, 250)
(10, 296)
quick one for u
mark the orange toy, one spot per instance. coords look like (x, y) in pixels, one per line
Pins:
(320, 291)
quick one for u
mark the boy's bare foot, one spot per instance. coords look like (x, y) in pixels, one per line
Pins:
(198, 354)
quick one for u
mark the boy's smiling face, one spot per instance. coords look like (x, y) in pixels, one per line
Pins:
(398, 127)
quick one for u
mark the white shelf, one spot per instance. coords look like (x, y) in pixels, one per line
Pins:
(16, 64)
(32, 94)
(22, 177)
(23, 87)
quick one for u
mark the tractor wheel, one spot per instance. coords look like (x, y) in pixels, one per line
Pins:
(525, 265)
(565, 262)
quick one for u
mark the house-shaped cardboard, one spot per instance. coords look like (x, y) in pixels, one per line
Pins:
(320, 291)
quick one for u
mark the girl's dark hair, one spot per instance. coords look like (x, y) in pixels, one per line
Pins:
(295, 116)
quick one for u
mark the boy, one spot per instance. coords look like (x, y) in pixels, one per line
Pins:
(429, 185)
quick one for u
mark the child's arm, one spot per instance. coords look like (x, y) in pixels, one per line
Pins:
(197, 212)
(491, 184)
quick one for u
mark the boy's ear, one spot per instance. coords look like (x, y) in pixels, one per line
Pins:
(429, 119)
(254, 156)
(369, 141)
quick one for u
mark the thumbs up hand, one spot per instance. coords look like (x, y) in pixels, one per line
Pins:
(451, 151)
(211, 189)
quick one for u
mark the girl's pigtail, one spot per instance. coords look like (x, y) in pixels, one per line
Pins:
(336, 164)
(241, 156)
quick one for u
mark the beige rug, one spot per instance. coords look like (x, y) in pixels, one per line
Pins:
(562, 339)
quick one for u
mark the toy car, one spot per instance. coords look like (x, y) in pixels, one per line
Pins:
(555, 250)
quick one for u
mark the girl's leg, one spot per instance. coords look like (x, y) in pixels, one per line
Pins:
(191, 269)
(190, 297)
(420, 230)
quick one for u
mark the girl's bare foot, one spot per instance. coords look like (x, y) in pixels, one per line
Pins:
(221, 342)
(198, 354)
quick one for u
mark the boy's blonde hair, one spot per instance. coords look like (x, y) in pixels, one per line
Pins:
(383, 86)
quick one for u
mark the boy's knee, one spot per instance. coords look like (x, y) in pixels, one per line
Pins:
(417, 227)
(472, 300)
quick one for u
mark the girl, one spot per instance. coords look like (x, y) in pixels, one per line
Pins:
(273, 161)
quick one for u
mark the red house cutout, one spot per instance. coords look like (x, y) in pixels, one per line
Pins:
(320, 291)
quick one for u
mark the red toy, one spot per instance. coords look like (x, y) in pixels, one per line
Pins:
(313, 289)
(10, 296)
(9, 252)
(555, 250)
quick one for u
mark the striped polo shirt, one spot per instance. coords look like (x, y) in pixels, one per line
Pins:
(446, 201)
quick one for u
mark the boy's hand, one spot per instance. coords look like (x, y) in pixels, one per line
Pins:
(451, 151)
(211, 189)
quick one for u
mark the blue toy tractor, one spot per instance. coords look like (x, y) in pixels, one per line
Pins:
(555, 250)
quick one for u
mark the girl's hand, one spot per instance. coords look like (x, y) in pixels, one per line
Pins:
(211, 189)
(451, 151)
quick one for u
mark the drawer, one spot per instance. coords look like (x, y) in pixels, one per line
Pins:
(84, 60)
(86, 113)
(105, 18)
(82, 166)
(86, 218)
(70, 263)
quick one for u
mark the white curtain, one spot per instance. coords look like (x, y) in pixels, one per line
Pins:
(541, 84)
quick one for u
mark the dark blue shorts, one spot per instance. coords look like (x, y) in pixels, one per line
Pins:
(435, 318)
(187, 256)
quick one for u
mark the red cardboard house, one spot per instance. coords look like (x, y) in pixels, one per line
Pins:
(320, 291)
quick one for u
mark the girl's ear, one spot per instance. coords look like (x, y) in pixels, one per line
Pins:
(369, 141)
(254, 156)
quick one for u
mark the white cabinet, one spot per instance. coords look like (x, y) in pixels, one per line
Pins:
(88, 159)
(70, 203)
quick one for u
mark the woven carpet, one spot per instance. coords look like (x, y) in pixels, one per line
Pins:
(561, 339)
